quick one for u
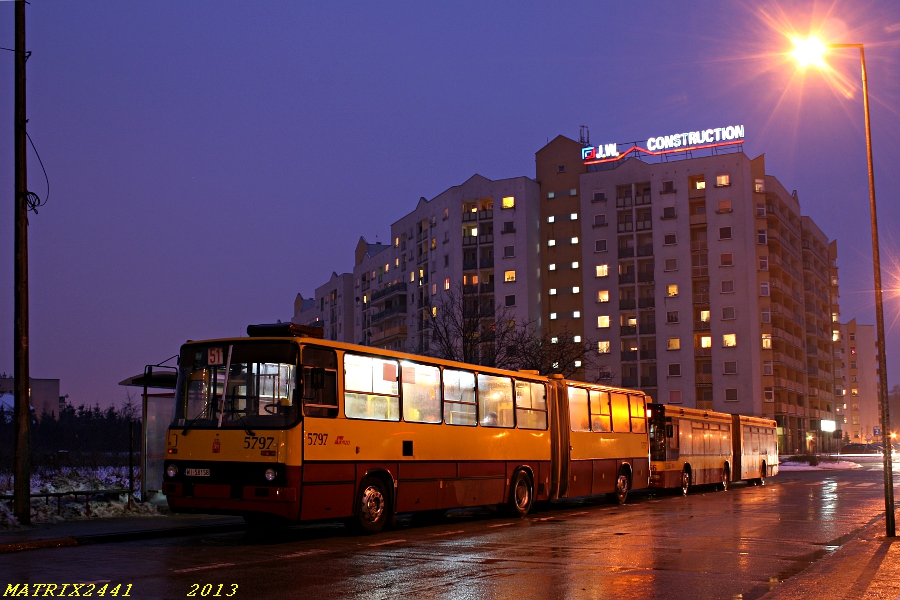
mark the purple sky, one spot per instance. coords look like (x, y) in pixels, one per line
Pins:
(209, 160)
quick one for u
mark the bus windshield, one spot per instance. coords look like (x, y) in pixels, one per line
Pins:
(257, 379)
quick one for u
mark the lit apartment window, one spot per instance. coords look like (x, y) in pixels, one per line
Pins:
(554, 340)
(387, 267)
(574, 240)
(552, 316)
(726, 260)
(577, 364)
(767, 341)
(577, 339)
(509, 275)
(396, 242)
(729, 367)
(602, 270)
(706, 341)
(552, 291)
(551, 195)
(700, 185)
(722, 180)
(576, 314)
(551, 219)
(759, 186)
(603, 347)
(854, 392)
(412, 276)
(671, 264)
(672, 290)
(669, 239)
(729, 340)
(575, 264)
(727, 313)
(704, 316)
(433, 289)
(434, 311)
(603, 296)
(508, 202)
(573, 216)
(728, 286)
(724, 233)
(674, 396)
(552, 266)
(573, 192)
(603, 321)
(576, 289)
(835, 317)
(673, 343)
(551, 243)
(674, 369)
(724, 206)
(447, 283)
(446, 214)
(600, 246)
(731, 395)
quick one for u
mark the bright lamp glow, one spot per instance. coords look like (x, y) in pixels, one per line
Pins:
(809, 51)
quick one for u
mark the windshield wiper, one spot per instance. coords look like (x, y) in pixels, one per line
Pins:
(240, 418)
(200, 414)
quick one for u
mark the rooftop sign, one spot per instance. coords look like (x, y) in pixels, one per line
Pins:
(666, 144)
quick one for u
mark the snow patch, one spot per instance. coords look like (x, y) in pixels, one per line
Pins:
(822, 466)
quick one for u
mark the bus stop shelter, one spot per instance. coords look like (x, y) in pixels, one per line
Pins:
(157, 406)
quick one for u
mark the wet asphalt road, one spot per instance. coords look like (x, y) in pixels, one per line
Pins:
(711, 544)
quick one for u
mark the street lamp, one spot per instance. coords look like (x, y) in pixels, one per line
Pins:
(811, 52)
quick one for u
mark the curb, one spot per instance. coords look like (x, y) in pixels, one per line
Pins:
(119, 536)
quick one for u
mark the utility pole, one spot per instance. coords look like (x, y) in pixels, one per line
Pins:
(22, 489)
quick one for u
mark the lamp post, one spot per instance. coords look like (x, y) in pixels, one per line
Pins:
(810, 51)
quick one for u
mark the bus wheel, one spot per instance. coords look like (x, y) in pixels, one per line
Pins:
(622, 487)
(761, 480)
(685, 482)
(726, 478)
(371, 506)
(521, 495)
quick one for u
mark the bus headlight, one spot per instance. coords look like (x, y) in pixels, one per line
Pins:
(172, 470)
(270, 474)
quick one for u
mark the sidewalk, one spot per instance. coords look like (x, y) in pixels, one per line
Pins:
(96, 531)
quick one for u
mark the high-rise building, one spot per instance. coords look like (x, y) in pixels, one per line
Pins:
(858, 410)
(697, 278)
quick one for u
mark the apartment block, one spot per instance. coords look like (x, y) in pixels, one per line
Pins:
(331, 308)
(698, 279)
(858, 410)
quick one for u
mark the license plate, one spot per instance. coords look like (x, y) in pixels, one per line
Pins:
(197, 472)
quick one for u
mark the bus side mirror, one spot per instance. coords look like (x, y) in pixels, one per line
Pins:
(670, 431)
(317, 378)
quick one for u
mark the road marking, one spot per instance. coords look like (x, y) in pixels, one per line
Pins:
(500, 525)
(303, 553)
(386, 543)
(576, 514)
(864, 484)
(445, 533)
(546, 519)
(204, 568)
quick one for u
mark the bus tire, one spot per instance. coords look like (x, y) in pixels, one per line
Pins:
(685, 481)
(372, 506)
(521, 495)
(726, 478)
(622, 487)
(761, 480)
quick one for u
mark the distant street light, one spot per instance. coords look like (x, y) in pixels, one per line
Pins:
(811, 51)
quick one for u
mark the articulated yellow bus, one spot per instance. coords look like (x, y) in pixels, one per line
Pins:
(283, 425)
(689, 446)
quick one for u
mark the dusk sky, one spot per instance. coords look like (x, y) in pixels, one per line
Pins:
(210, 160)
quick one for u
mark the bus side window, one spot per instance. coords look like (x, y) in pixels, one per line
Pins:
(459, 397)
(620, 417)
(531, 405)
(318, 382)
(421, 386)
(638, 416)
(579, 416)
(371, 388)
(495, 401)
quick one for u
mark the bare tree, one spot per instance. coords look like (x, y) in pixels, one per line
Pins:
(470, 327)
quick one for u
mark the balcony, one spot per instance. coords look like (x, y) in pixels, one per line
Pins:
(646, 302)
(645, 250)
(487, 288)
(487, 238)
(647, 328)
(626, 278)
(648, 354)
(701, 352)
(470, 288)
(485, 214)
(700, 272)
(388, 291)
(628, 330)
(626, 304)
(703, 379)
(625, 227)
(394, 310)
(701, 298)
(626, 252)
(469, 265)
(469, 240)
(422, 258)
(629, 356)
(645, 225)
(698, 219)
(701, 325)
(623, 202)
(487, 263)
(648, 381)
(388, 334)
(469, 216)
(699, 246)
(645, 277)
(641, 199)
(629, 382)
